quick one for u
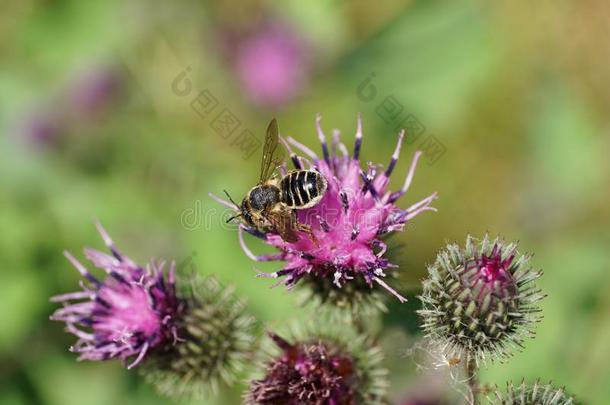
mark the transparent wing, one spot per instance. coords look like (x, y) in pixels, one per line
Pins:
(281, 222)
(273, 153)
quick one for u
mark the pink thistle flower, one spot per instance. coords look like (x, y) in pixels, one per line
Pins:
(350, 221)
(327, 364)
(93, 93)
(492, 268)
(41, 128)
(307, 373)
(272, 64)
(125, 316)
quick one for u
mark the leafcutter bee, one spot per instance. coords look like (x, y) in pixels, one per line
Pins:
(271, 205)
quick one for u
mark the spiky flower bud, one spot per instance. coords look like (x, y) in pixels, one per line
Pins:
(216, 342)
(481, 301)
(321, 369)
(532, 394)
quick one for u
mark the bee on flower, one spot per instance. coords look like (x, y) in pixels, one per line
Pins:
(337, 243)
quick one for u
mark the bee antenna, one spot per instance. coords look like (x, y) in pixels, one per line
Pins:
(229, 197)
(233, 217)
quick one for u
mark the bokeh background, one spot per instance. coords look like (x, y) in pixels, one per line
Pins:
(109, 110)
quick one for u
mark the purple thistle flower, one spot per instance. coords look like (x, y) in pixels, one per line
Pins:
(93, 92)
(125, 316)
(306, 371)
(217, 339)
(82, 102)
(350, 221)
(273, 64)
(320, 368)
(41, 129)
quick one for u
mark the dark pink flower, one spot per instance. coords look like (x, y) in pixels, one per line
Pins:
(350, 221)
(130, 312)
(320, 368)
(304, 373)
(493, 268)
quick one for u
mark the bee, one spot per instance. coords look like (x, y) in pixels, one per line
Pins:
(271, 205)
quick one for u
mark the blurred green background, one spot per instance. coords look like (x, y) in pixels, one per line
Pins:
(508, 99)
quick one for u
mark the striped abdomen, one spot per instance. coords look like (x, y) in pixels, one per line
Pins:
(302, 188)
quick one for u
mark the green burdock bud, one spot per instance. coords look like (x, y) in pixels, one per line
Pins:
(332, 365)
(215, 341)
(480, 302)
(535, 394)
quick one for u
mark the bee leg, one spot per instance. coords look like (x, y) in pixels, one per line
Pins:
(307, 229)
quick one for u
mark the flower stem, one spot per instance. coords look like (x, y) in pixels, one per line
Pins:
(471, 375)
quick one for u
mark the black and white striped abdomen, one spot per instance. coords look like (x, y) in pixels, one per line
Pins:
(302, 188)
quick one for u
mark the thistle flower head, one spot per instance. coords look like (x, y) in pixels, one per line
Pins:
(320, 369)
(128, 314)
(83, 101)
(480, 302)
(190, 336)
(41, 128)
(532, 394)
(217, 339)
(348, 224)
(94, 91)
(272, 63)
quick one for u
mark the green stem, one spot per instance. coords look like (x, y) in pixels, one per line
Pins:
(471, 374)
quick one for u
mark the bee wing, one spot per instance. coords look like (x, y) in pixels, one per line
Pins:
(282, 223)
(272, 152)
